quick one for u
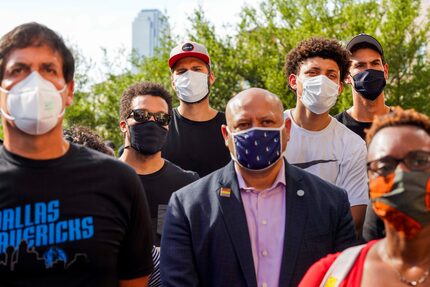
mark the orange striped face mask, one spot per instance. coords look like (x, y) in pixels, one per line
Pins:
(402, 199)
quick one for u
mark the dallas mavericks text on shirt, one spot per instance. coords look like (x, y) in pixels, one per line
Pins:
(38, 224)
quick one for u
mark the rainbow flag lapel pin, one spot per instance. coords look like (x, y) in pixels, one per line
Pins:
(225, 192)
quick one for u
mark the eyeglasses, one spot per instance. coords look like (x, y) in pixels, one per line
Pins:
(414, 160)
(142, 116)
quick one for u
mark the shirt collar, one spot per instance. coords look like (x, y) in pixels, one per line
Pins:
(280, 179)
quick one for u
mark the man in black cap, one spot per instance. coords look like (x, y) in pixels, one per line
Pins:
(368, 75)
(194, 141)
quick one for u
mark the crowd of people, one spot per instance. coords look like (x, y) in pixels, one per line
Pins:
(258, 195)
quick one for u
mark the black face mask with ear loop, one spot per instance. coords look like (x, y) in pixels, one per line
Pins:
(147, 138)
(369, 83)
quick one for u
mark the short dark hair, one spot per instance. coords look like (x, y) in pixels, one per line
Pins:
(86, 137)
(398, 117)
(318, 47)
(142, 89)
(365, 45)
(35, 34)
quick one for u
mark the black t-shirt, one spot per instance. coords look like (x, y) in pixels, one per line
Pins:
(355, 126)
(159, 186)
(196, 146)
(373, 227)
(78, 220)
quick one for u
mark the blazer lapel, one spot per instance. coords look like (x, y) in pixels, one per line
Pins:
(235, 220)
(295, 219)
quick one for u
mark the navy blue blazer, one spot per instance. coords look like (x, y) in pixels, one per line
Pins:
(206, 242)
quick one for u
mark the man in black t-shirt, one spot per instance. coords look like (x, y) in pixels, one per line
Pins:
(69, 216)
(145, 112)
(368, 75)
(195, 141)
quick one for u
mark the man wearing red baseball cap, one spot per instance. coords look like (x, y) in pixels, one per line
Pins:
(194, 141)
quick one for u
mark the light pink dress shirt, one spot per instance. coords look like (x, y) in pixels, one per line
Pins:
(265, 215)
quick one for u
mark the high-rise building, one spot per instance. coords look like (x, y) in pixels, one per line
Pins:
(147, 30)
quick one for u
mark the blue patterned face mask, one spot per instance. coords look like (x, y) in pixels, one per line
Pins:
(257, 148)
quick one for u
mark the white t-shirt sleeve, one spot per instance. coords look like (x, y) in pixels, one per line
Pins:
(353, 175)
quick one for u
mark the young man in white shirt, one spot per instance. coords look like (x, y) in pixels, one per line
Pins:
(315, 70)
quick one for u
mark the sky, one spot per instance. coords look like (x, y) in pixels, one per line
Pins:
(92, 25)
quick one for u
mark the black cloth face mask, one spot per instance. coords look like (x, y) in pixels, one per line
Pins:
(147, 138)
(369, 83)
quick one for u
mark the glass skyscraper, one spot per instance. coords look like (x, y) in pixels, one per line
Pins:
(146, 32)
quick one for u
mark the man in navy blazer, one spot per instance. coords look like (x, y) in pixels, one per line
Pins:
(258, 221)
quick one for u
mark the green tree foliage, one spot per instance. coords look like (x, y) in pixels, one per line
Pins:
(224, 60)
(255, 54)
(82, 110)
(267, 34)
(98, 108)
(405, 40)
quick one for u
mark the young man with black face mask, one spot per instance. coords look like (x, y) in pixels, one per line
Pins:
(195, 141)
(367, 76)
(145, 112)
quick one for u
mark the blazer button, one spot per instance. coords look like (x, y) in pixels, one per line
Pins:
(300, 192)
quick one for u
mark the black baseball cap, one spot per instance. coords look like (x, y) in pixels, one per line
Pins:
(364, 38)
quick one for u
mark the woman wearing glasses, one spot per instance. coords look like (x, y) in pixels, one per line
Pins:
(399, 182)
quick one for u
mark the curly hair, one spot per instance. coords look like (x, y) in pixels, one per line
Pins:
(142, 89)
(318, 47)
(86, 137)
(398, 117)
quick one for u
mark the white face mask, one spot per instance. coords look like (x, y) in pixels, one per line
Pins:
(319, 94)
(191, 86)
(34, 104)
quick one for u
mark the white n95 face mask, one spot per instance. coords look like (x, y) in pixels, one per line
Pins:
(34, 105)
(191, 86)
(319, 94)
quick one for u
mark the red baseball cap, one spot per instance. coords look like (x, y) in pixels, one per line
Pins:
(189, 49)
